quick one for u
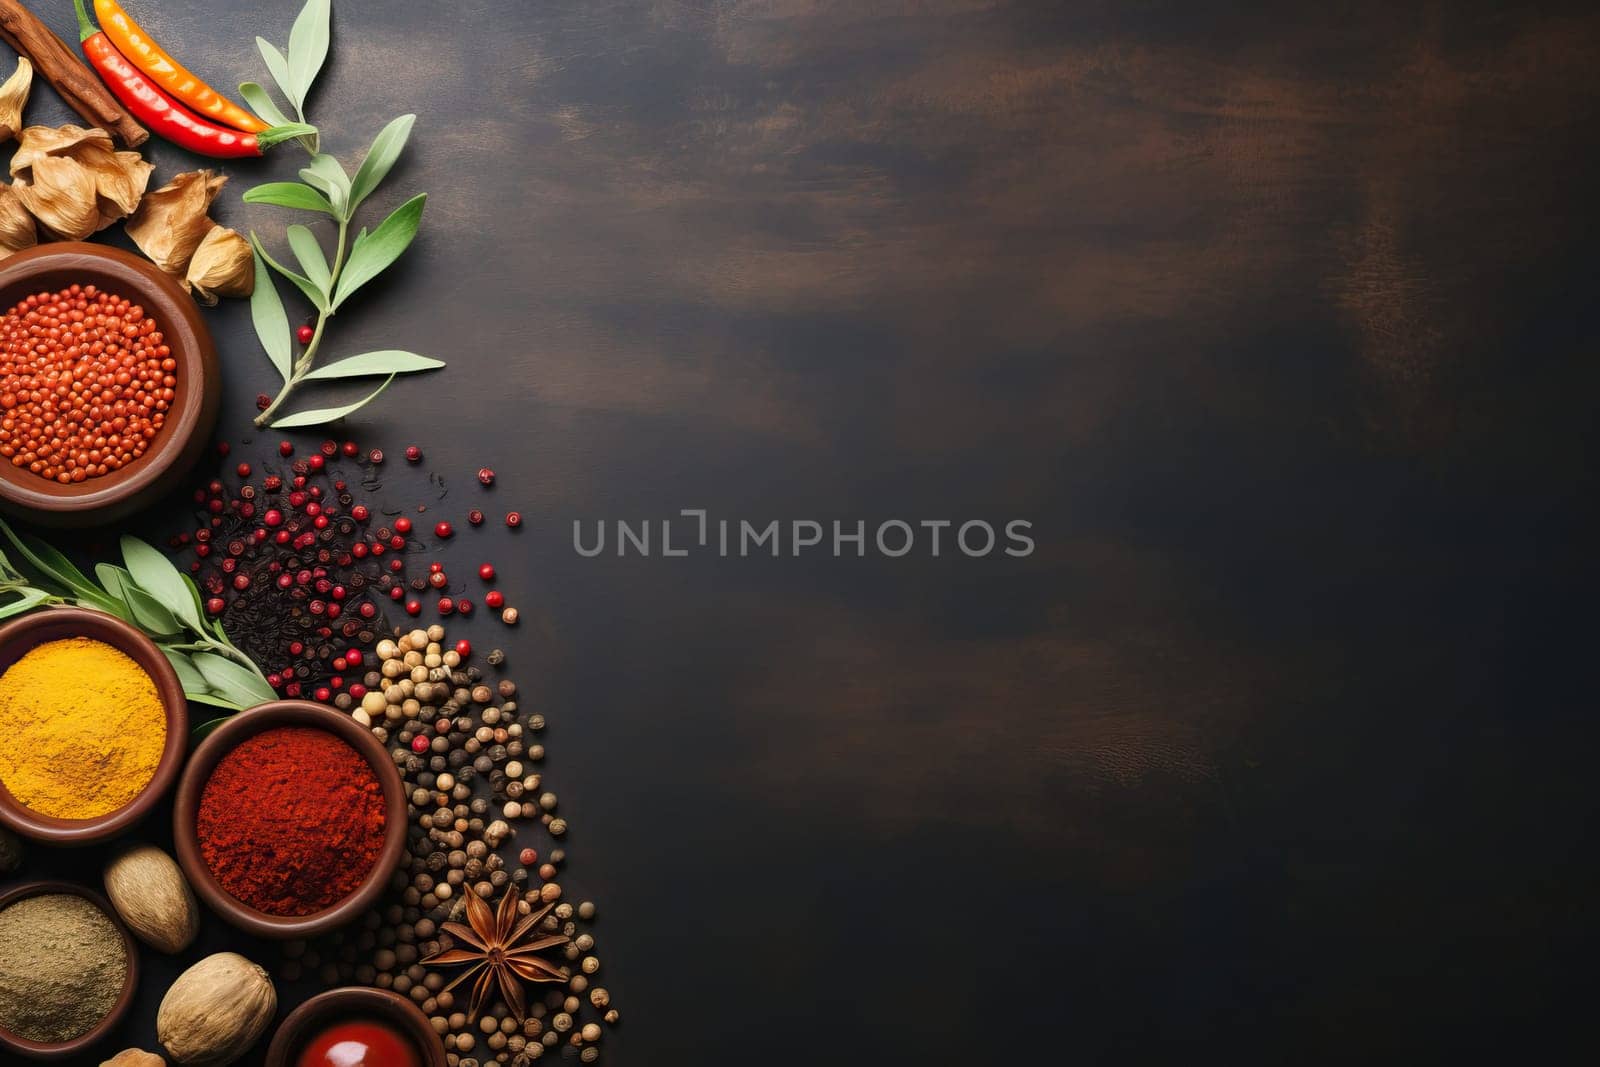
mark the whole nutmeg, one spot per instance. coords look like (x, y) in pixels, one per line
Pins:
(10, 851)
(216, 1010)
(149, 892)
(134, 1057)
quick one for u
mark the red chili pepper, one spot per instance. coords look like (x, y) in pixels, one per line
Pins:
(164, 115)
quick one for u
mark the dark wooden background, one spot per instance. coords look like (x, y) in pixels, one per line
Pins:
(1277, 321)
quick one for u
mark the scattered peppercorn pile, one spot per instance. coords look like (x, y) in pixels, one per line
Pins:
(295, 568)
(467, 752)
(86, 379)
(298, 569)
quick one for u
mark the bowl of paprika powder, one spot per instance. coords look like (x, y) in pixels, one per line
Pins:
(109, 384)
(290, 819)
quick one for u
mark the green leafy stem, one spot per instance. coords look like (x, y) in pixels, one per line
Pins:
(327, 189)
(149, 592)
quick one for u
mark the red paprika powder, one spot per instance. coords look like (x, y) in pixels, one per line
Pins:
(291, 821)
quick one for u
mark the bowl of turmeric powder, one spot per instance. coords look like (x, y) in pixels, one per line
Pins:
(97, 725)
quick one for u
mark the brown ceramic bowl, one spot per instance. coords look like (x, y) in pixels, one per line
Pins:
(36, 1050)
(21, 636)
(50, 267)
(344, 1005)
(223, 740)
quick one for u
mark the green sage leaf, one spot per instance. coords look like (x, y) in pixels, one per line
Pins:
(148, 612)
(232, 680)
(188, 674)
(278, 66)
(325, 173)
(263, 105)
(312, 292)
(303, 243)
(308, 46)
(290, 194)
(387, 361)
(201, 732)
(155, 574)
(30, 599)
(321, 415)
(57, 568)
(272, 325)
(286, 131)
(373, 252)
(386, 148)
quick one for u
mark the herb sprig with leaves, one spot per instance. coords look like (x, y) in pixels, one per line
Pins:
(150, 593)
(325, 188)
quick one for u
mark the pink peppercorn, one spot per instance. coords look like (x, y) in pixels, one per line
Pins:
(494, 599)
(486, 572)
(513, 519)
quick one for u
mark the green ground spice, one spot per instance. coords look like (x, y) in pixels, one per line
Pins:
(62, 967)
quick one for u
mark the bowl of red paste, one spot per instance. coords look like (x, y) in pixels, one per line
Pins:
(356, 1027)
(290, 819)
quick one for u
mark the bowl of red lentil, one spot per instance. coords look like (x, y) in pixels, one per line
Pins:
(290, 819)
(109, 384)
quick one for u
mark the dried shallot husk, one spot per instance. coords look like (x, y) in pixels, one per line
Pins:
(171, 221)
(17, 229)
(73, 180)
(223, 265)
(14, 97)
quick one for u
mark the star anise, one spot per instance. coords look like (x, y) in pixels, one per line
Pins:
(494, 944)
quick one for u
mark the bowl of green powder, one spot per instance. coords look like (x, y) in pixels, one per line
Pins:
(68, 969)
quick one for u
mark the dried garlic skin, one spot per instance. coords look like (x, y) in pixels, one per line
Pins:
(17, 229)
(171, 222)
(14, 97)
(61, 196)
(223, 265)
(73, 180)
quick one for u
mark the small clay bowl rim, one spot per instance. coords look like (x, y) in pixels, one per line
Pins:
(344, 1004)
(39, 1050)
(21, 636)
(224, 739)
(198, 394)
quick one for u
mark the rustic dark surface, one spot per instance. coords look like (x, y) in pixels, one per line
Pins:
(1276, 321)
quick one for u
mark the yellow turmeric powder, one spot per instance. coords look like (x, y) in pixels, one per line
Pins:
(86, 729)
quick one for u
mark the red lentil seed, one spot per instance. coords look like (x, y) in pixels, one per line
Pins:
(86, 380)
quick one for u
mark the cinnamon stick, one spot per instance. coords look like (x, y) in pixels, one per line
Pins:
(76, 83)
